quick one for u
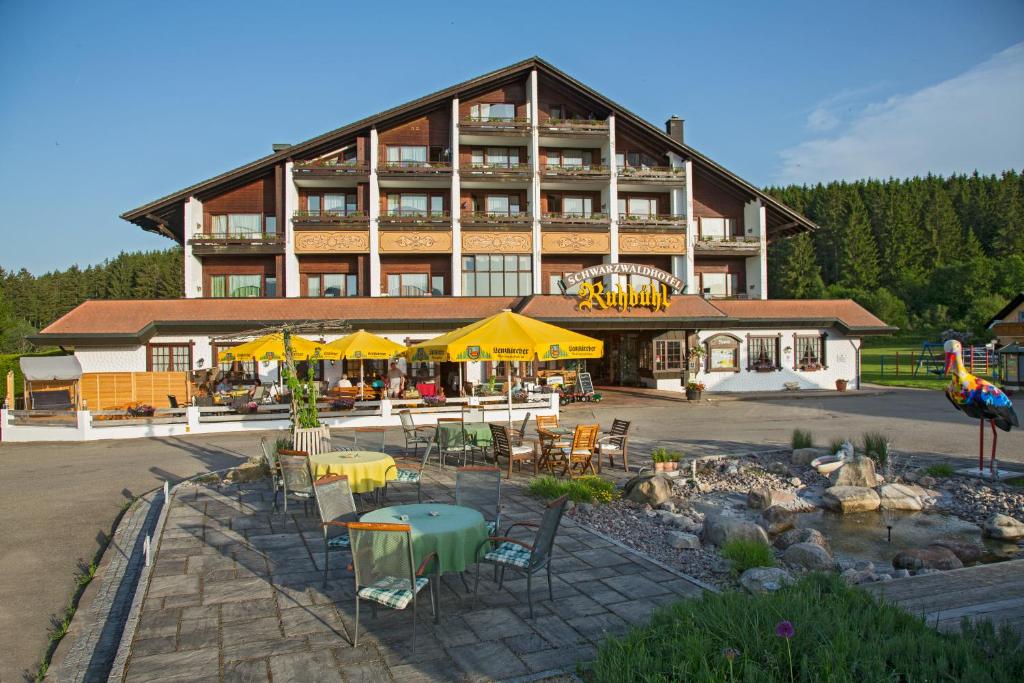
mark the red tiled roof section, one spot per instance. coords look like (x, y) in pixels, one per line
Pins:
(131, 316)
(846, 311)
(555, 307)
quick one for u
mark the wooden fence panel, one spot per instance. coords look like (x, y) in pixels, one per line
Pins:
(115, 390)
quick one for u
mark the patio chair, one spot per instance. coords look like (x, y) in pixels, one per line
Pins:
(501, 441)
(270, 458)
(615, 443)
(172, 400)
(259, 393)
(546, 422)
(471, 414)
(480, 488)
(382, 431)
(580, 453)
(520, 434)
(522, 557)
(298, 481)
(337, 507)
(312, 440)
(414, 436)
(385, 570)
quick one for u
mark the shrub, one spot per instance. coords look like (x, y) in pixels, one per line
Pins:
(876, 447)
(1015, 481)
(587, 489)
(840, 633)
(835, 445)
(746, 554)
(801, 439)
(940, 470)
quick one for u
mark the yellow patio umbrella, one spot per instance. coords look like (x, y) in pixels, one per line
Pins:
(271, 347)
(507, 336)
(362, 345)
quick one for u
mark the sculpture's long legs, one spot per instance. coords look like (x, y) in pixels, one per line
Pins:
(995, 435)
(981, 445)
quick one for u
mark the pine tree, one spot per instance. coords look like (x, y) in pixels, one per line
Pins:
(858, 261)
(1009, 210)
(800, 275)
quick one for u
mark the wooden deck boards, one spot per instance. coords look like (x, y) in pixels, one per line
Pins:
(992, 591)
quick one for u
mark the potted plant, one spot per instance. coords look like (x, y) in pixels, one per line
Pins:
(841, 384)
(660, 459)
(675, 458)
(694, 390)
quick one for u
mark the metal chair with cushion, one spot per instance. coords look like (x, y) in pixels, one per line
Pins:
(385, 570)
(414, 436)
(480, 488)
(522, 557)
(615, 443)
(298, 481)
(501, 441)
(337, 507)
(408, 474)
(270, 459)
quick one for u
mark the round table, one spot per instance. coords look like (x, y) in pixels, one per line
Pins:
(454, 534)
(365, 469)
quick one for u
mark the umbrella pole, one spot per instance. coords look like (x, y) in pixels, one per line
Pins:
(362, 384)
(508, 390)
(460, 380)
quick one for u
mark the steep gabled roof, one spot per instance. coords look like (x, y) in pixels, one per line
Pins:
(1006, 310)
(782, 220)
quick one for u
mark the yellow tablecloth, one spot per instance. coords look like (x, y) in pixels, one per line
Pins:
(365, 469)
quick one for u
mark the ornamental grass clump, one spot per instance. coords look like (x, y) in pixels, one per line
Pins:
(589, 489)
(940, 470)
(835, 633)
(746, 554)
(876, 447)
(801, 439)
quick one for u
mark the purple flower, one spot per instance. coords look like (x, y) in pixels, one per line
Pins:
(784, 629)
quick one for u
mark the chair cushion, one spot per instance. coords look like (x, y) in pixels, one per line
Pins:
(609, 448)
(509, 553)
(339, 542)
(522, 450)
(391, 591)
(492, 527)
(300, 494)
(408, 476)
(579, 452)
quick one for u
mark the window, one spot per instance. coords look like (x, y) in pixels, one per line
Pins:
(407, 205)
(810, 353)
(763, 353)
(497, 275)
(634, 160)
(313, 204)
(302, 368)
(238, 224)
(556, 111)
(718, 285)
(236, 286)
(270, 223)
(270, 286)
(503, 156)
(332, 285)
(504, 205)
(492, 112)
(407, 155)
(340, 204)
(415, 284)
(668, 354)
(638, 207)
(170, 358)
(717, 228)
(577, 206)
(723, 353)
(570, 158)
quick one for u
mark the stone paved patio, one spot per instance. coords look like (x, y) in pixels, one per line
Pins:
(236, 595)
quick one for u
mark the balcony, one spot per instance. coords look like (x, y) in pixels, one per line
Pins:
(407, 169)
(652, 174)
(217, 243)
(326, 169)
(420, 220)
(501, 172)
(476, 125)
(731, 245)
(572, 128)
(585, 172)
(484, 219)
(628, 221)
(563, 219)
(309, 220)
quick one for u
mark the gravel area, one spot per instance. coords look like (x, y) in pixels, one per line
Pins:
(975, 500)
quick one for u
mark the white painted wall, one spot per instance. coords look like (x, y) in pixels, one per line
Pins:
(193, 224)
(532, 102)
(612, 202)
(456, 204)
(840, 353)
(291, 260)
(755, 223)
(374, 217)
(112, 359)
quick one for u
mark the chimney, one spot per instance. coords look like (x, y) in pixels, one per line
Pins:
(674, 128)
(280, 146)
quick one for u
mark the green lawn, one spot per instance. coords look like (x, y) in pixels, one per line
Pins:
(881, 357)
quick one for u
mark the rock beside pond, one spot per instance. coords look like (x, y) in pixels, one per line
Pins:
(860, 471)
(792, 536)
(651, 489)
(932, 557)
(966, 552)
(847, 499)
(778, 468)
(808, 556)
(719, 530)
(683, 541)
(777, 519)
(901, 497)
(804, 456)
(1003, 527)
(852, 577)
(765, 579)
(760, 498)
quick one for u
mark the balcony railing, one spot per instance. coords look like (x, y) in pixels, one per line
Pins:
(416, 218)
(573, 127)
(573, 218)
(495, 125)
(495, 171)
(744, 243)
(652, 173)
(328, 217)
(407, 168)
(491, 219)
(652, 220)
(234, 243)
(587, 172)
(330, 169)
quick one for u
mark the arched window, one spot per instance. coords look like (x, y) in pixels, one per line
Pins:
(723, 353)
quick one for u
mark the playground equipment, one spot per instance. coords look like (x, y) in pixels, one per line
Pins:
(932, 359)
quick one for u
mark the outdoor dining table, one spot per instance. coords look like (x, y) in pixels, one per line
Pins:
(449, 434)
(365, 470)
(452, 531)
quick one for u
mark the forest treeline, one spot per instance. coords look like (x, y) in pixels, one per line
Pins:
(924, 254)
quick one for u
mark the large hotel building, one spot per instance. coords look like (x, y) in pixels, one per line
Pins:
(487, 195)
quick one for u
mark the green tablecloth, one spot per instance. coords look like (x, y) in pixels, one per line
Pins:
(453, 534)
(449, 434)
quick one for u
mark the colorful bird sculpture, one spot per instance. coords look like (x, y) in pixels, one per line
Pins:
(977, 398)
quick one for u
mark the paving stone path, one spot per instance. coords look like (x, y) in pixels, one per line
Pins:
(236, 594)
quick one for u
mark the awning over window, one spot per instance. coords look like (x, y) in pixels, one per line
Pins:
(41, 368)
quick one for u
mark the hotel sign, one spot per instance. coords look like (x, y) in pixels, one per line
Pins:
(652, 296)
(573, 279)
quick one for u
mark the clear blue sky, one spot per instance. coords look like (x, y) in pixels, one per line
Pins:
(107, 105)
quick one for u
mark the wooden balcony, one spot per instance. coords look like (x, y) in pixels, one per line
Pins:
(502, 172)
(407, 169)
(311, 220)
(209, 244)
(572, 127)
(484, 219)
(574, 220)
(495, 126)
(627, 221)
(734, 245)
(652, 174)
(427, 220)
(319, 170)
(587, 172)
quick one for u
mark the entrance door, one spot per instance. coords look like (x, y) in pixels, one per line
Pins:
(629, 365)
